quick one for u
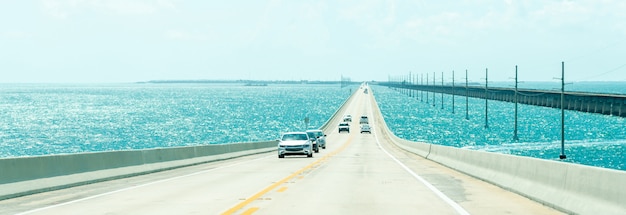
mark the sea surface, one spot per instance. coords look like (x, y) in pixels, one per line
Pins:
(590, 139)
(47, 119)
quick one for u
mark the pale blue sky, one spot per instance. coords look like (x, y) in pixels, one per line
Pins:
(87, 41)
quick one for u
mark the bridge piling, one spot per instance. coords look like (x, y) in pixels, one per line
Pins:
(599, 103)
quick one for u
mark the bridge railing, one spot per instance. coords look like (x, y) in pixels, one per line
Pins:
(28, 175)
(572, 188)
(607, 104)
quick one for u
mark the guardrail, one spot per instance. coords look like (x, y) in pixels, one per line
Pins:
(572, 188)
(601, 103)
(28, 175)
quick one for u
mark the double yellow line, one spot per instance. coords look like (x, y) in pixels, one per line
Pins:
(282, 181)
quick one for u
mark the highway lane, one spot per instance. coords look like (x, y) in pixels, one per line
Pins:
(359, 179)
(356, 174)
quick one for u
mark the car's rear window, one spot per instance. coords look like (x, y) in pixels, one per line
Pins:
(295, 137)
(315, 134)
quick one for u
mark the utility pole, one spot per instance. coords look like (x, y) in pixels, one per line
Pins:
(414, 90)
(416, 81)
(434, 89)
(486, 99)
(426, 86)
(562, 156)
(453, 91)
(516, 101)
(422, 92)
(466, 97)
(410, 83)
(441, 90)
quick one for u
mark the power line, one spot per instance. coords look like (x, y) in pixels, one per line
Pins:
(605, 73)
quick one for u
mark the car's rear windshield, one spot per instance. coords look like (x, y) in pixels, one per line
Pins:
(315, 134)
(295, 137)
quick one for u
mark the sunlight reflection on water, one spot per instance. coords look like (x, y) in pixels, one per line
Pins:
(591, 139)
(41, 119)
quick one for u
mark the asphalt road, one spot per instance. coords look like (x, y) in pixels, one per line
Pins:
(355, 174)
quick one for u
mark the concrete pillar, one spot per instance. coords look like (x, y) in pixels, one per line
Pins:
(570, 104)
(606, 107)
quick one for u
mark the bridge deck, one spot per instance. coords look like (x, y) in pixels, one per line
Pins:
(356, 174)
(607, 104)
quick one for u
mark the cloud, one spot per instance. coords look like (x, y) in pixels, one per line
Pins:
(63, 9)
(13, 34)
(129, 7)
(54, 8)
(563, 13)
(184, 35)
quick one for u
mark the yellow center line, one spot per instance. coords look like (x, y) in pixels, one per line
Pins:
(282, 181)
(250, 211)
(282, 189)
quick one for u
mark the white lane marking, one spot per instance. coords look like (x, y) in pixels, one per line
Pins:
(139, 186)
(441, 195)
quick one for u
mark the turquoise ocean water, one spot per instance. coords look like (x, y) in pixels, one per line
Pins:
(48, 119)
(591, 139)
(45, 119)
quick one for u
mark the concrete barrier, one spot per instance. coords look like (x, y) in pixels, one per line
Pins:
(338, 115)
(572, 188)
(29, 175)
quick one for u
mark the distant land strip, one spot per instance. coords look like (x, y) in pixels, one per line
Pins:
(245, 82)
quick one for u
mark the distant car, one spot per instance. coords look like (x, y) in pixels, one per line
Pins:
(320, 139)
(295, 143)
(366, 128)
(344, 126)
(363, 120)
(347, 118)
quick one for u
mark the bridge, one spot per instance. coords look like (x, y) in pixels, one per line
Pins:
(600, 103)
(376, 173)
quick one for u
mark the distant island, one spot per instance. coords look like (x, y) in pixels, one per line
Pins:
(245, 82)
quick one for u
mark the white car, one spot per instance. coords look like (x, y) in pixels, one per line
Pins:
(320, 139)
(363, 120)
(295, 143)
(366, 128)
(344, 126)
(347, 118)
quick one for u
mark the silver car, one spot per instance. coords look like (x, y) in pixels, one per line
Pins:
(363, 120)
(366, 128)
(320, 139)
(295, 143)
(347, 118)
